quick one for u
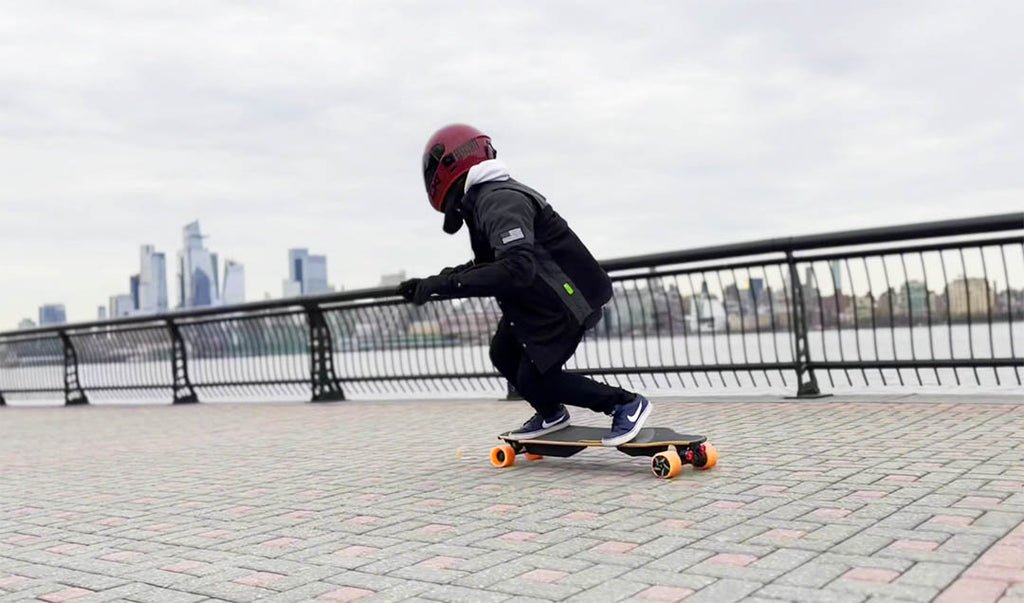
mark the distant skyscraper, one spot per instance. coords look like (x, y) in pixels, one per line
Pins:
(216, 271)
(197, 271)
(121, 306)
(308, 272)
(26, 323)
(52, 314)
(133, 289)
(152, 281)
(392, 280)
(836, 268)
(101, 313)
(234, 283)
(756, 287)
(291, 288)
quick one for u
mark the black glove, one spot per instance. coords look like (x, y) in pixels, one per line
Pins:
(439, 284)
(408, 288)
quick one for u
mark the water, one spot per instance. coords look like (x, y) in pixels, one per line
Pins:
(899, 343)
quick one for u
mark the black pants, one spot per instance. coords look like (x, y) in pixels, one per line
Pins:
(547, 391)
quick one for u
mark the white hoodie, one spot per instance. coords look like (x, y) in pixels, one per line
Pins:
(486, 171)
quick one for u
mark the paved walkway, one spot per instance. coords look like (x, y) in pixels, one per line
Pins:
(834, 500)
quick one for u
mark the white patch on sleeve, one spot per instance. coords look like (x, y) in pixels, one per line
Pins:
(513, 235)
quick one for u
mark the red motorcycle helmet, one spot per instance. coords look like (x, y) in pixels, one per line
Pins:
(449, 154)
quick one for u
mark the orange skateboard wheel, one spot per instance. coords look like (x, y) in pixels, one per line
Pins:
(503, 456)
(666, 464)
(710, 455)
(533, 457)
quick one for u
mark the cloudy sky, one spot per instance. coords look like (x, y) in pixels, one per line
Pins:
(650, 126)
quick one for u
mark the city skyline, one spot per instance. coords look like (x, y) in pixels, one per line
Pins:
(198, 287)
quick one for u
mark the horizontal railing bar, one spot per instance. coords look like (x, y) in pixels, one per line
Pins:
(886, 234)
(923, 363)
(35, 390)
(868, 253)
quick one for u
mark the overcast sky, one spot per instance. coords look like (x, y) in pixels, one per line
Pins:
(650, 126)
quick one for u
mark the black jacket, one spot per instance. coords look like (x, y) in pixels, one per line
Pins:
(549, 286)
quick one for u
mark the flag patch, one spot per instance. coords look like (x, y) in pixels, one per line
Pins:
(513, 235)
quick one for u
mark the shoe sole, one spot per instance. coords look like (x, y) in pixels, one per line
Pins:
(629, 435)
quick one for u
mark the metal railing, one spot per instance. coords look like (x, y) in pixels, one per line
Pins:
(937, 304)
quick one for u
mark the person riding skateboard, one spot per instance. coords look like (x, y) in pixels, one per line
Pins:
(549, 287)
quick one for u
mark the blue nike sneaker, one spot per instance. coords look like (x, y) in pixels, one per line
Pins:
(538, 425)
(627, 421)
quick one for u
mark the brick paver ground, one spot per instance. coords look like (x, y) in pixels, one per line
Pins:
(829, 500)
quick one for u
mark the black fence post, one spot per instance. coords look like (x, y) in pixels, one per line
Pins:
(73, 392)
(325, 384)
(184, 393)
(2, 401)
(807, 383)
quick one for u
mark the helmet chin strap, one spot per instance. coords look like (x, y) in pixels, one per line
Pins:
(453, 206)
(453, 216)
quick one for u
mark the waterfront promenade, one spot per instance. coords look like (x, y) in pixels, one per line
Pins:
(904, 497)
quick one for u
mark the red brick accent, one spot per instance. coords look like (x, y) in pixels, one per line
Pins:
(831, 513)
(281, 543)
(184, 567)
(300, 514)
(786, 534)
(951, 520)
(159, 527)
(974, 590)
(1004, 555)
(980, 501)
(65, 595)
(121, 556)
(11, 582)
(260, 579)
(675, 524)
(995, 572)
(733, 559)
(441, 562)
(21, 539)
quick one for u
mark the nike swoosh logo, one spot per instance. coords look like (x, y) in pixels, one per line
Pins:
(633, 417)
(545, 424)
